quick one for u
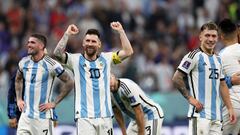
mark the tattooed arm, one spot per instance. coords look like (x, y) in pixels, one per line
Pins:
(178, 82)
(59, 51)
(18, 89)
(65, 89)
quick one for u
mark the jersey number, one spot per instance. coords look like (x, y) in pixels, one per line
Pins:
(45, 131)
(110, 132)
(148, 130)
(95, 73)
(33, 78)
(214, 73)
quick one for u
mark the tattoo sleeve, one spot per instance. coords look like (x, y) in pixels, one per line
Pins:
(60, 48)
(68, 84)
(19, 85)
(178, 82)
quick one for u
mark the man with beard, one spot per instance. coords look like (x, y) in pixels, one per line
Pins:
(37, 71)
(93, 109)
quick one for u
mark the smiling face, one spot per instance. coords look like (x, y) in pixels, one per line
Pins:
(34, 46)
(208, 39)
(91, 44)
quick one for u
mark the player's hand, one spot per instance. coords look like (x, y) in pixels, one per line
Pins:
(12, 123)
(235, 78)
(20, 104)
(232, 116)
(46, 107)
(72, 29)
(196, 103)
(117, 26)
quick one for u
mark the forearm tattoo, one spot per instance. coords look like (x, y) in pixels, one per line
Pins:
(19, 85)
(180, 85)
(67, 87)
(61, 46)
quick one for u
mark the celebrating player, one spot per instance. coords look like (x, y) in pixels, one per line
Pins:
(93, 110)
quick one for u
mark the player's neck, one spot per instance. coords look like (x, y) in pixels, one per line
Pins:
(38, 56)
(230, 42)
(90, 58)
(207, 51)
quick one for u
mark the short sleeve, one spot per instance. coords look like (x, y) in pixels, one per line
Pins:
(58, 69)
(131, 90)
(187, 63)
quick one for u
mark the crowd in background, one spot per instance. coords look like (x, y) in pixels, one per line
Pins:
(161, 32)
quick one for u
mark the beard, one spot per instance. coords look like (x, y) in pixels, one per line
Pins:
(32, 52)
(91, 51)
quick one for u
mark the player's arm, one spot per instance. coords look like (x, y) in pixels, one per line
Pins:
(139, 119)
(233, 80)
(64, 90)
(178, 82)
(59, 51)
(127, 49)
(226, 99)
(120, 120)
(18, 89)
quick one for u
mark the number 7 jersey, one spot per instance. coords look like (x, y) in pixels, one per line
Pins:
(92, 85)
(204, 74)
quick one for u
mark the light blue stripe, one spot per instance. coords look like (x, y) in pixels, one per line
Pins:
(83, 90)
(44, 88)
(107, 86)
(32, 90)
(95, 90)
(214, 91)
(25, 68)
(201, 83)
(122, 106)
(149, 113)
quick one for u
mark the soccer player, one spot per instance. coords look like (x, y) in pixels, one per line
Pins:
(230, 56)
(13, 111)
(146, 115)
(38, 72)
(207, 86)
(93, 109)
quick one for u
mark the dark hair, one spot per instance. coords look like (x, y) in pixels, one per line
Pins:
(226, 26)
(94, 32)
(41, 38)
(209, 26)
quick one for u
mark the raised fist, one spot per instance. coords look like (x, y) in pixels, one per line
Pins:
(72, 29)
(117, 26)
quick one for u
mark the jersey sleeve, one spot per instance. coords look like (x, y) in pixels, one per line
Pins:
(20, 65)
(131, 92)
(187, 63)
(58, 69)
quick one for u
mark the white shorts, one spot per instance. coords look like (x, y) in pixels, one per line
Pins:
(95, 126)
(202, 126)
(30, 126)
(152, 127)
(230, 128)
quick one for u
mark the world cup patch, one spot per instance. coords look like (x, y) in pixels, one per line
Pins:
(132, 99)
(186, 64)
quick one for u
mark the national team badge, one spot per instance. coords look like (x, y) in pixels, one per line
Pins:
(186, 64)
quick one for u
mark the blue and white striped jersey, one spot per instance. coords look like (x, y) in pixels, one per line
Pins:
(38, 78)
(92, 85)
(129, 94)
(204, 76)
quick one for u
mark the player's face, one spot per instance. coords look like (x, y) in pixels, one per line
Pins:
(91, 44)
(34, 46)
(113, 83)
(208, 39)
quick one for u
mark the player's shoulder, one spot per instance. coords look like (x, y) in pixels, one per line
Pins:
(49, 60)
(25, 59)
(192, 54)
